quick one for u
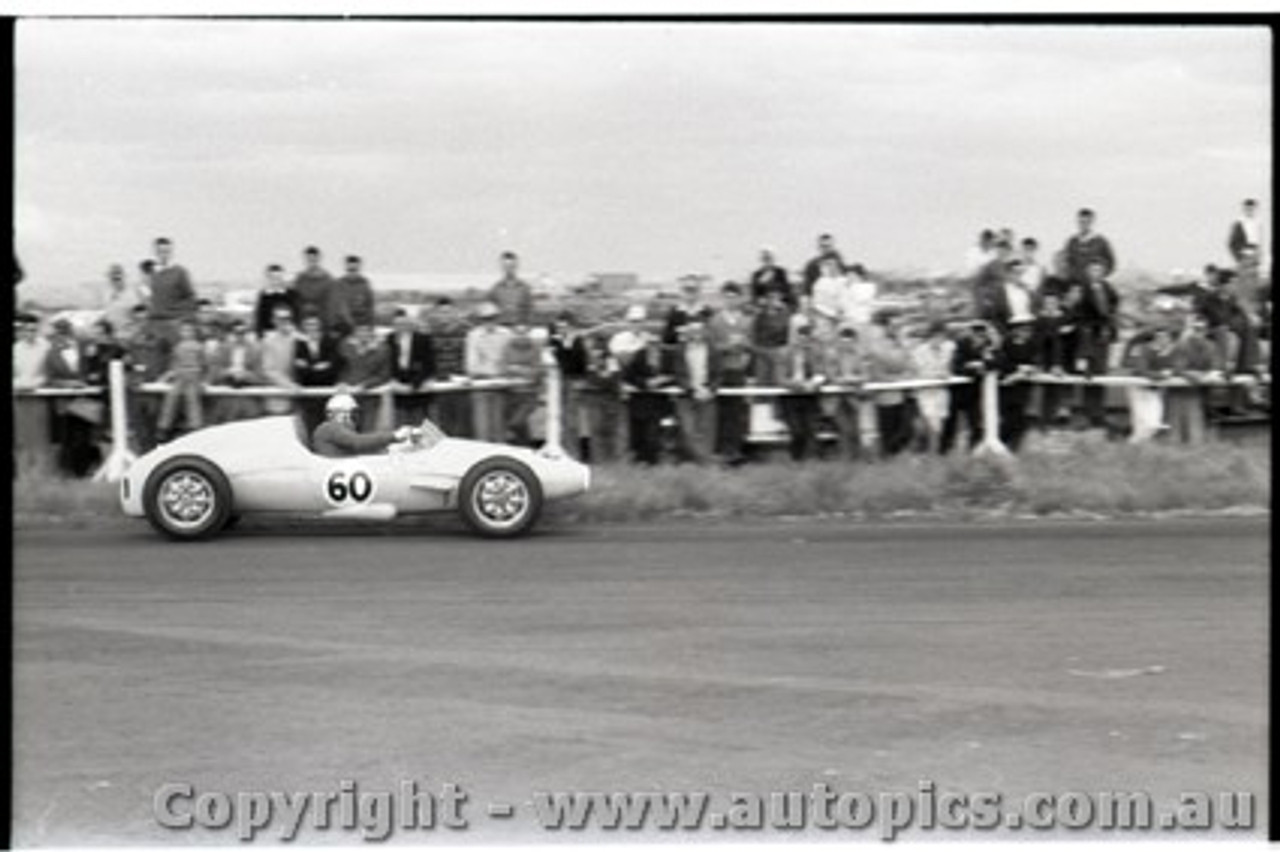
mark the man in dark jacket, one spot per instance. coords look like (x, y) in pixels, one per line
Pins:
(1097, 315)
(413, 362)
(274, 293)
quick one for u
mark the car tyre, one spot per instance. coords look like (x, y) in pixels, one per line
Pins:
(188, 499)
(500, 498)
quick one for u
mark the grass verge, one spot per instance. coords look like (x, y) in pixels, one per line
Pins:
(1085, 477)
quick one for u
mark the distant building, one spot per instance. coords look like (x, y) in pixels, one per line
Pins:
(614, 283)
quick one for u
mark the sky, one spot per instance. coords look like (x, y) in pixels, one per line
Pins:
(430, 147)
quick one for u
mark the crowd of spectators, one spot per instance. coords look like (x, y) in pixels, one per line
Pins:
(659, 384)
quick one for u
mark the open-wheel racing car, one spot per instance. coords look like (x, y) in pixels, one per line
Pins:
(200, 484)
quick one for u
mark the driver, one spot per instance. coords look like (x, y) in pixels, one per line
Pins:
(338, 437)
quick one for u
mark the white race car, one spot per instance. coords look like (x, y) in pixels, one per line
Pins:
(200, 484)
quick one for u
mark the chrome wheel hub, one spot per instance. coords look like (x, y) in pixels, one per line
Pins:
(501, 498)
(186, 499)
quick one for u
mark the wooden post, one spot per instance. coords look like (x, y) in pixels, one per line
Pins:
(120, 457)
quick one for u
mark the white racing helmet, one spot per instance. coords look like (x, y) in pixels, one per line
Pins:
(340, 403)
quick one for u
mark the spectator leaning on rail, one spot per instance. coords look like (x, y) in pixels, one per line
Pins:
(485, 358)
(365, 364)
(449, 330)
(974, 355)
(694, 369)
(29, 352)
(30, 417)
(1149, 354)
(1197, 360)
(889, 360)
(146, 359)
(316, 363)
(173, 297)
(645, 379)
(275, 293)
(236, 361)
(988, 284)
(569, 348)
(1097, 313)
(1055, 334)
(770, 334)
(847, 367)
(1016, 360)
(186, 376)
(933, 357)
(312, 287)
(522, 361)
(350, 299)
(413, 364)
(730, 334)
(74, 419)
(804, 374)
(278, 349)
(512, 296)
(606, 412)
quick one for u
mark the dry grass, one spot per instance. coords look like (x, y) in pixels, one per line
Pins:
(1092, 477)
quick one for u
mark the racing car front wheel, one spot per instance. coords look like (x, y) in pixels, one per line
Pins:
(187, 498)
(500, 498)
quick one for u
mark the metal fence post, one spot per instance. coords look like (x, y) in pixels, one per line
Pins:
(120, 457)
(555, 414)
(991, 442)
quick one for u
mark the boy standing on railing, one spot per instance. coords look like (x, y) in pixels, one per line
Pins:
(186, 381)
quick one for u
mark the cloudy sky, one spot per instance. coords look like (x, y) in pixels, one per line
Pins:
(429, 147)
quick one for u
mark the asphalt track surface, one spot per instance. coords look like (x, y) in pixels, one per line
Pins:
(722, 657)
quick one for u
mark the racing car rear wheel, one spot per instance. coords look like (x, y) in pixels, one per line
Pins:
(187, 498)
(500, 498)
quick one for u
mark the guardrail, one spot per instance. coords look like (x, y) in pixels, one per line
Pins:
(120, 456)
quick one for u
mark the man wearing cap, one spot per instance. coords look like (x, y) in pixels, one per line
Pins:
(1097, 327)
(485, 357)
(645, 378)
